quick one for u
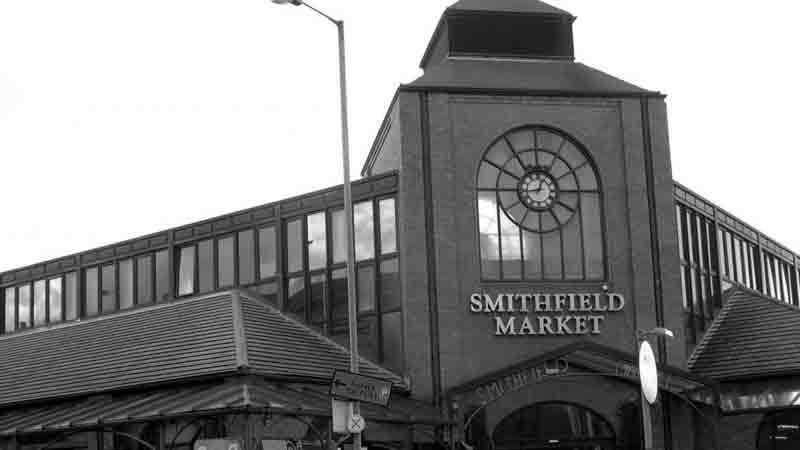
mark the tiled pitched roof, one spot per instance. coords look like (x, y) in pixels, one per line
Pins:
(514, 6)
(752, 337)
(278, 345)
(196, 338)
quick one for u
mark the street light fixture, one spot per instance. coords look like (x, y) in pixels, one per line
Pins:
(646, 350)
(658, 332)
(352, 320)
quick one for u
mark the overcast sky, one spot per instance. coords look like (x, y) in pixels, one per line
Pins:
(122, 118)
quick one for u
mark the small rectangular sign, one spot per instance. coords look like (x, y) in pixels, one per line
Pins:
(351, 386)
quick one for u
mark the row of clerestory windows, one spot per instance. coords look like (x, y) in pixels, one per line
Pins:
(297, 264)
(715, 257)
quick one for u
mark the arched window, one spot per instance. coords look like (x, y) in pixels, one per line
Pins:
(553, 425)
(540, 208)
(780, 431)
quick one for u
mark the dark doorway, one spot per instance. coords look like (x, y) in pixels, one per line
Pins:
(554, 425)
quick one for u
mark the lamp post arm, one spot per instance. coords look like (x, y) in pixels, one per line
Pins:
(338, 23)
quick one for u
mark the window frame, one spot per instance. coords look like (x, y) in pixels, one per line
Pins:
(524, 278)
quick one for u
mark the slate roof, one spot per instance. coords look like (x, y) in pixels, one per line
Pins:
(202, 337)
(752, 337)
(234, 394)
(535, 76)
(513, 6)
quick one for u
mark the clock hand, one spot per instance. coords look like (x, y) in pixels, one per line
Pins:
(538, 188)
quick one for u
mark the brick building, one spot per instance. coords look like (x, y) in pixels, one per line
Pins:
(517, 228)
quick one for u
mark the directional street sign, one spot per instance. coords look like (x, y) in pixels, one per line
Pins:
(351, 386)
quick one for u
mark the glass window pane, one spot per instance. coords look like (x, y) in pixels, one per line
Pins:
(294, 247)
(91, 286)
(573, 251)
(592, 236)
(247, 257)
(144, 280)
(225, 268)
(163, 275)
(317, 252)
(339, 294)
(126, 284)
(368, 339)
(510, 248)
(339, 236)
(55, 300)
(318, 294)
(296, 295)
(266, 252)
(489, 235)
(364, 231)
(186, 271)
(532, 248)
(269, 291)
(388, 226)
(551, 251)
(10, 310)
(24, 306)
(487, 177)
(205, 266)
(339, 333)
(39, 302)
(71, 293)
(392, 334)
(390, 285)
(366, 288)
(109, 289)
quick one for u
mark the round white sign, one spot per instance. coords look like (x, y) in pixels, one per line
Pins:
(356, 423)
(648, 373)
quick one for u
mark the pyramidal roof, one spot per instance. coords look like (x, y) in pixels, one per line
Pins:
(511, 6)
(753, 336)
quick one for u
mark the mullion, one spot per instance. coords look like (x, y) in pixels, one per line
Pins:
(46, 302)
(377, 231)
(153, 274)
(214, 263)
(557, 154)
(579, 218)
(135, 280)
(502, 169)
(327, 309)
(499, 236)
(305, 269)
(522, 258)
(513, 152)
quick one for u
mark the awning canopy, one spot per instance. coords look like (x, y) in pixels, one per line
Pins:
(238, 395)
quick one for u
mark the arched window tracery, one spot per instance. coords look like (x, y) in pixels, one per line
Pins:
(539, 205)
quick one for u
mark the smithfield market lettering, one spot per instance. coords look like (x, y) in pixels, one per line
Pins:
(547, 314)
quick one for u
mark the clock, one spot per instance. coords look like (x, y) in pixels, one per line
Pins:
(537, 177)
(537, 189)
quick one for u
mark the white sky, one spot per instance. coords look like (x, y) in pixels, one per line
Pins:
(122, 118)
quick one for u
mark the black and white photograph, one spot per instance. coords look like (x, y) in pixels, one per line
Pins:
(399, 225)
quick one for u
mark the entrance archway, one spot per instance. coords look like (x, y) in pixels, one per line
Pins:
(554, 425)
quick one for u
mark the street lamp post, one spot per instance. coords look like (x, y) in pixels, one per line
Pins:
(352, 310)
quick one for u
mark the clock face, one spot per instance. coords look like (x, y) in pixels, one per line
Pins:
(537, 190)
(536, 177)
